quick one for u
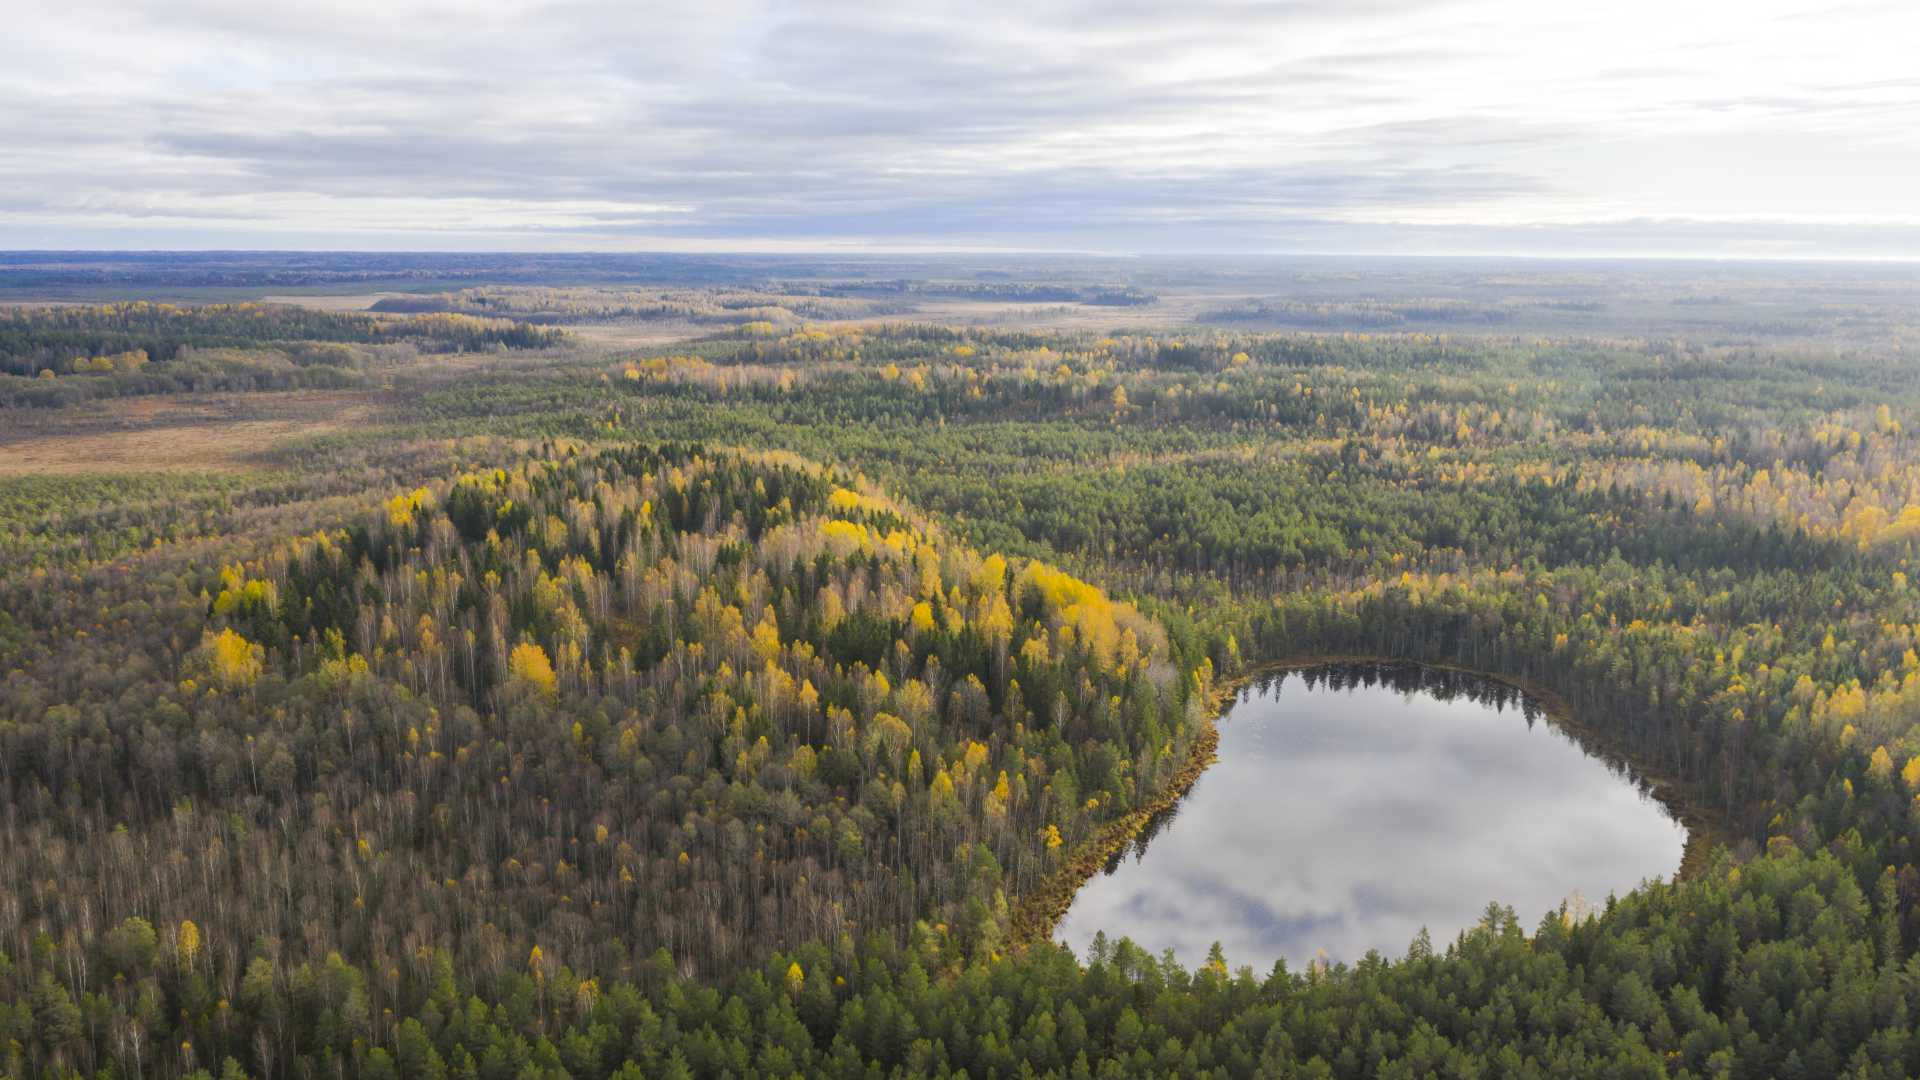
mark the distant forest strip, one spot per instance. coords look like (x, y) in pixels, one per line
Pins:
(774, 303)
(1104, 295)
(719, 307)
(126, 336)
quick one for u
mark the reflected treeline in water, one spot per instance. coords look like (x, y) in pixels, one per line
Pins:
(1407, 679)
(1404, 678)
(1138, 848)
(1443, 684)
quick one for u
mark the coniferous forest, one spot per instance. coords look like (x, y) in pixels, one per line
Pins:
(484, 694)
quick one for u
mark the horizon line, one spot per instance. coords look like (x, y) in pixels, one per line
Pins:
(1015, 253)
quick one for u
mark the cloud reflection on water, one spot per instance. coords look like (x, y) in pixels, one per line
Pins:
(1346, 814)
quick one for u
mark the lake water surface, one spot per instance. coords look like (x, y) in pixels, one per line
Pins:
(1354, 804)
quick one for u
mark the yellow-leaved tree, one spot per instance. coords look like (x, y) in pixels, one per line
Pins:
(231, 659)
(187, 942)
(529, 664)
(922, 618)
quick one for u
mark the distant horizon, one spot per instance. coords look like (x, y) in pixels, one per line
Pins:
(1011, 253)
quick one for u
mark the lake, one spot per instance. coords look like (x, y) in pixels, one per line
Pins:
(1354, 804)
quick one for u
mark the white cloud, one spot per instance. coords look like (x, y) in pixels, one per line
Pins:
(1381, 125)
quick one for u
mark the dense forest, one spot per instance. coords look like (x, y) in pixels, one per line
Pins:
(125, 337)
(708, 306)
(724, 708)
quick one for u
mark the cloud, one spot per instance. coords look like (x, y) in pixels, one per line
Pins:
(1379, 125)
(1348, 820)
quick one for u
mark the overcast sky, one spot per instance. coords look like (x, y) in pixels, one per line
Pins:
(1757, 127)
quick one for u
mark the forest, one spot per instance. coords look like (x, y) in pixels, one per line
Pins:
(125, 337)
(741, 704)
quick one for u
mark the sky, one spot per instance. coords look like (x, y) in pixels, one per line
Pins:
(1757, 128)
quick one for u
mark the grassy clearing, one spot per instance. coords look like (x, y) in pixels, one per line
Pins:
(178, 434)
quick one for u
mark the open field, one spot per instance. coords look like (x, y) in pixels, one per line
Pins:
(175, 434)
(328, 301)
